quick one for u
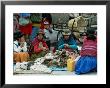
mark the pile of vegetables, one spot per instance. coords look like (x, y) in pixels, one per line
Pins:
(59, 59)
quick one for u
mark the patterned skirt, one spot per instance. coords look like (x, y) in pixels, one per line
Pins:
(86, 64)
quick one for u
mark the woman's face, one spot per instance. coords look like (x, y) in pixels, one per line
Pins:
(46, 26)
(22, 39)
(40, 36)
(66, 37)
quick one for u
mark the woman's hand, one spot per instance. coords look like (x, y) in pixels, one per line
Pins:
(21, 44)
(44, 49)
(66, 45)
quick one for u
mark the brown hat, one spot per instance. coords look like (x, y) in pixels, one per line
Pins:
(66, 32)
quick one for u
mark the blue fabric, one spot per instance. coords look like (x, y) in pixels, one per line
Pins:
(86, 64)
(70, 42)
(57, 68)
(24, 14)
(34, 33)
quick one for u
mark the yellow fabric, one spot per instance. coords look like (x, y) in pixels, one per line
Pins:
(36, 25)
(21, 56)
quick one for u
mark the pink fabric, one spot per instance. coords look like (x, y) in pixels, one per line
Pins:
(89, 48)
(15, 25)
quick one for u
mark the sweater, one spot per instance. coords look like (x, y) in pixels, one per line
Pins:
(89, 48)
(71, 42)
(38, 44)
(17, 47)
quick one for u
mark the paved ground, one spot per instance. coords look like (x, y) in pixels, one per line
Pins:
(58, 73)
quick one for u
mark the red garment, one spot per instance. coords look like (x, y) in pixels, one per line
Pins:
(89, 47)
(36, 45)
(42, 26)
(34, 41)
(27, 29)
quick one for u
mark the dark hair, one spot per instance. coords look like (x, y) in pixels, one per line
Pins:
(18, 35)
(91, 37)
(71, 18)
(91, 34)
(47, 16)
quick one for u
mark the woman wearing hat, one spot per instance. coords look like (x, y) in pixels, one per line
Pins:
(40, 46)
(50, 34)
(20, 48)
(67, 42)
(88, 60)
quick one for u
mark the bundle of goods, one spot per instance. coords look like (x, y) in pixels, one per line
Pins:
(20, 66)
(77, 22)
(35, 18)
(59, 59)
(40, 68)
(32, 67)
(78, 25)
(49, 56)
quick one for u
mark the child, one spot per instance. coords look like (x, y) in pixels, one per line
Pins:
(88, 60)
(20, 48)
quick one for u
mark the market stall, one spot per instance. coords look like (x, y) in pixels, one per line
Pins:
(60, 60)
(55, 60)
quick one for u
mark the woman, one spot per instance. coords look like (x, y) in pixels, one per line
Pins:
(40, 46)
(50, 34)
(67, 42)
(20, 48)
(88, 60)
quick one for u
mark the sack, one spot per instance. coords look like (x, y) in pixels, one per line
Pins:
(35, 19)
(23, 21)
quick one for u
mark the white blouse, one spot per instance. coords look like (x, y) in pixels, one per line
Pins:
(17, 48)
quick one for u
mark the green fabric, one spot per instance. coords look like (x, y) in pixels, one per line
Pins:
(34, 55)
(35, 19)
(23, 21)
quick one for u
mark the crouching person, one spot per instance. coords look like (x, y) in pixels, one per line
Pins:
(40, 46)
(88, 55)
(67, 42)
(20, 48)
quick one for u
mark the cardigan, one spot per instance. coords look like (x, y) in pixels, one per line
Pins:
(17, 47)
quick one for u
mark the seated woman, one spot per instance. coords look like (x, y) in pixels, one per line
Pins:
(88, 55)
(20, 48)
(40, 46)
(67, 42)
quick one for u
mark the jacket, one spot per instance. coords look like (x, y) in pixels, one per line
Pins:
(38, 44)
(17, 47)
(71, 42)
